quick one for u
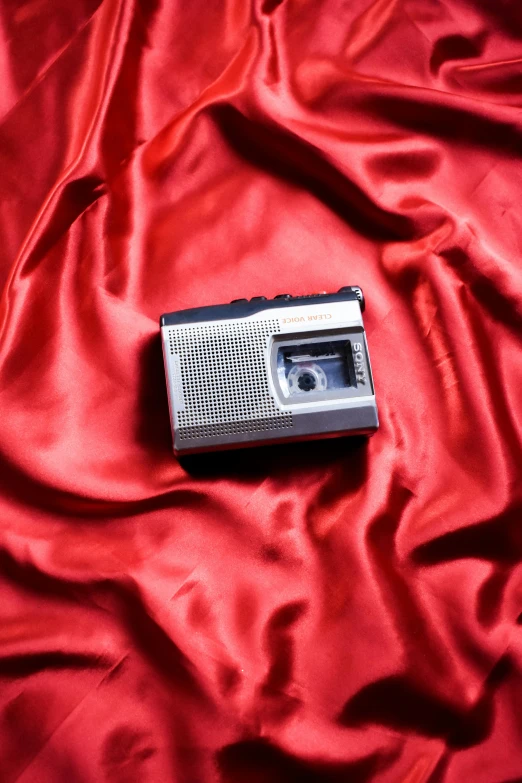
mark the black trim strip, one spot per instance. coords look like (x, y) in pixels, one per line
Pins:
(243, 309)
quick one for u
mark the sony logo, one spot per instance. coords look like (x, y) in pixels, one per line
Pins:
(301, 318)
(358, 358)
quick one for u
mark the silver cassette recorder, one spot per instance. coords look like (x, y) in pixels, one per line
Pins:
(260, 371)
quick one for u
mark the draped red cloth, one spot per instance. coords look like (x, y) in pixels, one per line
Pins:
(338, 611)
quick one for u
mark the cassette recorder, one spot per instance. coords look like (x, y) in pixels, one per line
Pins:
(260, 371)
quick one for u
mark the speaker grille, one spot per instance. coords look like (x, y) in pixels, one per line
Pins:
(223, 379)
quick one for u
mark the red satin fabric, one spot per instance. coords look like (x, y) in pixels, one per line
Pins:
(339, 611)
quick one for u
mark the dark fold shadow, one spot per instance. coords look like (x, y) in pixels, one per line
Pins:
(498, 540)
(457, 124)
(284, 155)
(400, 705)
(259, 761)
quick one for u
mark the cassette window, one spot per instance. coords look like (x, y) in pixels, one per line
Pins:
(322, 368)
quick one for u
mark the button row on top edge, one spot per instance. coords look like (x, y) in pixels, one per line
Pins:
(261, 298)
(277, 296)
(342, 290)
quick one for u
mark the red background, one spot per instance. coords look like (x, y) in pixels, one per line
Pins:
(335, 612)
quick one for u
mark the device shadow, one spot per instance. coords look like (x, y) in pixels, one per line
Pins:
(280, 457)
(153, 429)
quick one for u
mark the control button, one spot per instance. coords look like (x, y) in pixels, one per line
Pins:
(258, 299)
(283, 296)
(238, 300)
(355, 290)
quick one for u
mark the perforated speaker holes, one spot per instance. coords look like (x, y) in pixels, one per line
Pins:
(223, 375)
